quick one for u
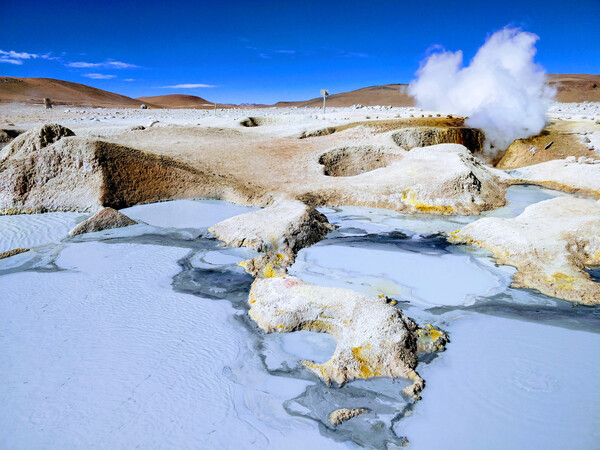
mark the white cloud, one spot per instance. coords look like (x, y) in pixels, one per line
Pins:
(268, 53)
(83, 65)
(354, 55)
(189, 86)
(12, 57)
(19, 55)
(109, 63)
(119, 65)
(129, 79)
(17, 62)
(99, 76)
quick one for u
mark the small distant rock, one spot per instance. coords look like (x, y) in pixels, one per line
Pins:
(341, 415)
(13, 252)
(48, 103)
(104, 219)
(143, 106)
(138, 128)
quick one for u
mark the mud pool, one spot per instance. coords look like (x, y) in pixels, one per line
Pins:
(130, 335)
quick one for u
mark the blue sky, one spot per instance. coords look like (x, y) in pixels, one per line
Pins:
(264, 52)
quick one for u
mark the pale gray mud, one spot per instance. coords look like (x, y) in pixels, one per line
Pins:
(373, 238)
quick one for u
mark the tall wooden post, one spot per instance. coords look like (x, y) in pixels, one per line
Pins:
(324, 93)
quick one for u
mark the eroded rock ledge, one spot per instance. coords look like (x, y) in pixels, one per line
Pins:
(373, 337)
(581, 175)
(550, 244)
(280, 231)
(50, 169)
(441, 179)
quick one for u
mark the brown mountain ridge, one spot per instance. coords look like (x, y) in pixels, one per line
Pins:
(570, 88)
(33, 90)
(175, 101)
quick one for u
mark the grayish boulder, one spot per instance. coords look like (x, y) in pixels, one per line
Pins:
(105, 219)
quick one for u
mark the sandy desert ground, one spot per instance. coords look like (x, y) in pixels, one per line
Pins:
(262, 239)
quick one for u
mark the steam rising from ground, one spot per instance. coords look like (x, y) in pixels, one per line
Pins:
(502, 91)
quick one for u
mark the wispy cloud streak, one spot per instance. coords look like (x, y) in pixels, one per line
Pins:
(188, 86)
(108, 64)
(17, 58)
(99, 76)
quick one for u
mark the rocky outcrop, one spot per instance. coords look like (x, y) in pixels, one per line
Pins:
(105, 219)
(550, 244)
(280, 230)
(35, 140)
(50, 169)
(341, 415)
(374, 338)
(442, 179)
(576, 175)
(412, 137)
(7, 135)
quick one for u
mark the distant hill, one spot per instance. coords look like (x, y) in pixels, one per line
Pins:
(33, 90)
(570, 88)
(387, 94)
(576, 87)
(177, 101)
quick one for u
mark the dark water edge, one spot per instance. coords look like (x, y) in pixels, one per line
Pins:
(512, 303)
(560, 313)
(594, 273)
(381, 396)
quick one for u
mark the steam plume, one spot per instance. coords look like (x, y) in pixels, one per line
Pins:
(502, 91)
